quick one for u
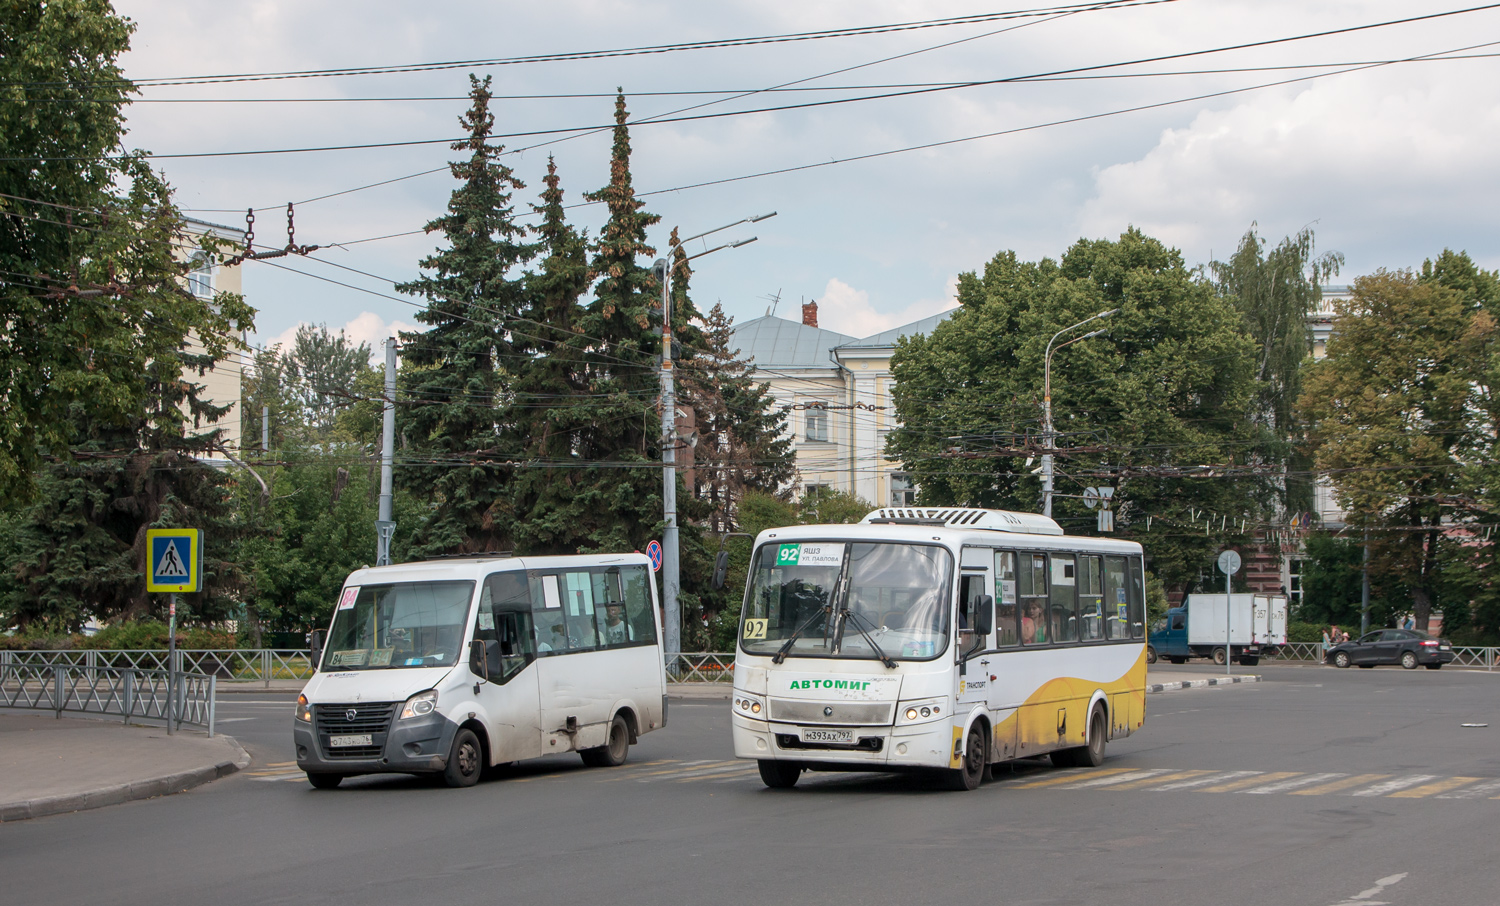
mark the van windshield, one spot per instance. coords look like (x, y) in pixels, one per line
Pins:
(403, 624)
(896, 595)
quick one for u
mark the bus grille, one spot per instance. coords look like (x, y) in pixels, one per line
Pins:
(369, 717)
(805, 712)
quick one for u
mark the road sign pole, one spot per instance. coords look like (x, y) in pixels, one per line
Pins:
(171, 660)
(1229, 564)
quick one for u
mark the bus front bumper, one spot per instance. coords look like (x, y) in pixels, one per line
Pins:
(924, 745)
(417, 745)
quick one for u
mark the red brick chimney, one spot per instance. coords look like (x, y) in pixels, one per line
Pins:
(810, 313)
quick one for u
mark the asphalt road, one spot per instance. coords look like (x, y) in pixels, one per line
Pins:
(1317, 786)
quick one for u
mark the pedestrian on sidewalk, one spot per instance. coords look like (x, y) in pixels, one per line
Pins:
(1323, 651)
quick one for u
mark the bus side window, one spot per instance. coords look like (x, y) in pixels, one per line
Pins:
(1031, 589)
(1063, 599)
(609, 609)
(578, 605)
(1116, 601)
(547, 614)
(504, 623)
(634, 581)
(1090, 600)
(1137, 599)
(1006, 617)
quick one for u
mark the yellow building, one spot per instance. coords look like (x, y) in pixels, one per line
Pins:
(207, 278)
(838, 389)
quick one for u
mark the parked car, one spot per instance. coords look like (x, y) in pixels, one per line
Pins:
(1407, 647)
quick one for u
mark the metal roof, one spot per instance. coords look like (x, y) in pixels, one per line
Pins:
(914, 329)
(771, 341)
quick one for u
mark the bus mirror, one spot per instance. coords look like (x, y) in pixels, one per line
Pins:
(315, 648)
(721, 569)
(479, 660)
(984, 616)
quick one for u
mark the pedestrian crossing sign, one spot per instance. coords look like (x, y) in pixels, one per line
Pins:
(174, 560)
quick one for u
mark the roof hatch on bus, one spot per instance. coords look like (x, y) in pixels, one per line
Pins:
(965, 517)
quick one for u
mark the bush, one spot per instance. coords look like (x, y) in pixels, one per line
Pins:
(1308, 633)
(143, 635)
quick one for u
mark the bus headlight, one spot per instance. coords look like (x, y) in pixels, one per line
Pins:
(420, 704)
(304, 710)
(747, 705)
(920, 711)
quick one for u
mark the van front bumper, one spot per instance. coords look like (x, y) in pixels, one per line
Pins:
(417, 745)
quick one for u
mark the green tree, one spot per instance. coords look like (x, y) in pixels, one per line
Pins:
(1158, 406)
(1395, 410)
(1276, 292)
(308, 388)
(457, 433)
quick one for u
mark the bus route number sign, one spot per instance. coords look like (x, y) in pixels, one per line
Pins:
(755, 629)
(810, 555)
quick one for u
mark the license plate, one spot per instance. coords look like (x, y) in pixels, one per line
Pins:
(335, 742)
(1445, 647)
(838, 737)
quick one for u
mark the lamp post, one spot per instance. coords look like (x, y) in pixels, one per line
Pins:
(1049, 437)
(671, 581)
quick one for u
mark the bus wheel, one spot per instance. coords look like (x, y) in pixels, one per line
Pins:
(779, 775)
(1150, 655)
(324, 781)
(970, 772)
(611, 754)
(1090, 755)
(465, 761)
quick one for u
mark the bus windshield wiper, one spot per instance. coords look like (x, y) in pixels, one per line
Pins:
(885, 659)
(787, 645)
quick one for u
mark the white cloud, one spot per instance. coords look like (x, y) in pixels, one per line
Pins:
(1366, 166)
(368, 327)
(847, 310)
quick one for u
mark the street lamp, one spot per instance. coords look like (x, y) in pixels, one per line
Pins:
(671, 581)
(1049, 437)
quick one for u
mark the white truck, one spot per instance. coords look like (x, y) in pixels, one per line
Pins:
(1252, 625)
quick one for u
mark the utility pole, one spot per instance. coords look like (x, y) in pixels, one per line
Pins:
(1049, 436)
(384, 527)
(1364, 589)
(671, 579)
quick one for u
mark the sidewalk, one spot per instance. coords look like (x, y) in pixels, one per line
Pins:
(54, 766)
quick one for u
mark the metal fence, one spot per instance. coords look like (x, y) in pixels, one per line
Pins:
(701, 667)
(231, 664)
(1486, 658)
(32, 680)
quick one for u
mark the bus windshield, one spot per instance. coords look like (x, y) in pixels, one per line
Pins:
(849, 600)
(404, 624)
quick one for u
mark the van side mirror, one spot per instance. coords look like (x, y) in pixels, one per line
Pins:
(984, 615)
(315, 648)
(721, 569)
(479, 660)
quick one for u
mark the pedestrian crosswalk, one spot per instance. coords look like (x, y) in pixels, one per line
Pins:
(1029, 776)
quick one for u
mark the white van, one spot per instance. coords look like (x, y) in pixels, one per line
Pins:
(449, 666)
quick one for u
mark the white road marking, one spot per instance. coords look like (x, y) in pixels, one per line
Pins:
(1480, 791)
(1391, 786)
(1206, 781)
(1366, 897)
(1118, 778)
(1292, 784)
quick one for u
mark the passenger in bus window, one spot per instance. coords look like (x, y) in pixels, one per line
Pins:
(1033, 625)
(615, 630)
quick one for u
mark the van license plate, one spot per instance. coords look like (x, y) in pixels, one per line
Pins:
(335, 742)
(837, 737)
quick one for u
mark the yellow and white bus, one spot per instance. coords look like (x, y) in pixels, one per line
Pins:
(937, 638)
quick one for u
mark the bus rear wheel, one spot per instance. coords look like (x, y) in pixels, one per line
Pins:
(779, 775)
(1091, 754)
(612, 753)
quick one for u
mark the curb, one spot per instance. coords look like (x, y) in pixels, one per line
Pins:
(125, 792)
(1152, 688)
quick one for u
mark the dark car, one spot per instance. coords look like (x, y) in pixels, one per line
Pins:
(1407, 647)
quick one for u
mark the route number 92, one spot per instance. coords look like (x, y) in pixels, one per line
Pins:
(755, 629)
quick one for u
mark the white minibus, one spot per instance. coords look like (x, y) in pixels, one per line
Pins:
(454, 665)
(944, 639)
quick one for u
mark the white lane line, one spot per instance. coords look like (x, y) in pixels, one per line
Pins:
(1292, 784)
(230, 720)
(1205, 781)
(1391, 786)
(1367, 897)
(1479, 791)
(1118, 778)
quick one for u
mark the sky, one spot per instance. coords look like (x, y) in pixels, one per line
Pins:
(1388, 164)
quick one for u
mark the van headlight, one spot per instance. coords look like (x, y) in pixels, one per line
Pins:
(304, 710)
(747, 705)
(419, 705)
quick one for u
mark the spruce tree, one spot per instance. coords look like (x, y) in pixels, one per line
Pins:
(456, 419)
